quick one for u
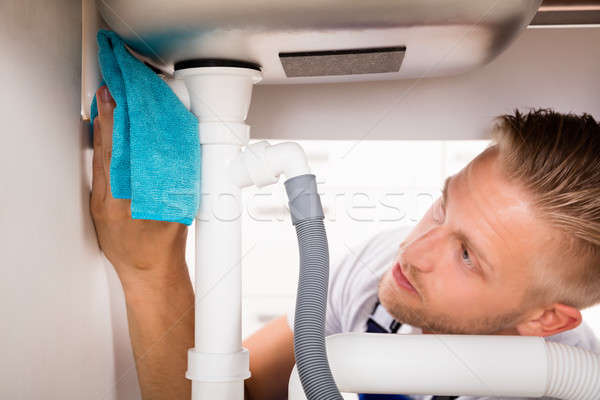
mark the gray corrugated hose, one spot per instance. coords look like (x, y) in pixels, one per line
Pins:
(311, 302)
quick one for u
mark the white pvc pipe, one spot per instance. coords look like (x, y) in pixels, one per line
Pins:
(220, 97)
(218, 253)
(178, 87)
(218, 365)
(495, 366)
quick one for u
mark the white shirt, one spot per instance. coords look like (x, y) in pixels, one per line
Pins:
(352, 295)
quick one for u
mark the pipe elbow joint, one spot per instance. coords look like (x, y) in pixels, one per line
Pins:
(288, 159)
(261, 164)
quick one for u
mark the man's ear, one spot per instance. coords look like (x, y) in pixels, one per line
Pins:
(550, 321)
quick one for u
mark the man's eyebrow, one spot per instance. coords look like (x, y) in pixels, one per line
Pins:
(461, 234)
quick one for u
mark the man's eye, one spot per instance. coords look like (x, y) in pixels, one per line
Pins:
(466, 257)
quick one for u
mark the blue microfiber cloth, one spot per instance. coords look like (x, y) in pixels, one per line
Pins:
(156, 155)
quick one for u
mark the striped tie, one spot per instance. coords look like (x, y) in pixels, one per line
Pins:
(380, 321)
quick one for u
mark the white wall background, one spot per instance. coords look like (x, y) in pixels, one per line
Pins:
(63, 332)
(544, 67)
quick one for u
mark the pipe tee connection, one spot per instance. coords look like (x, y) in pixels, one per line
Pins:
(261, 164)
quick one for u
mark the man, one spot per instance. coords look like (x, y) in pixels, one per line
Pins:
(511, 248)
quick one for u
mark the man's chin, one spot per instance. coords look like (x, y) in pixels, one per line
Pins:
(396, 306)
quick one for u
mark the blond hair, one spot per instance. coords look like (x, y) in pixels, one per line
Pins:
(556, 157)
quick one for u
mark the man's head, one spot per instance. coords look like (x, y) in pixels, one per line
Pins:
(513, 245)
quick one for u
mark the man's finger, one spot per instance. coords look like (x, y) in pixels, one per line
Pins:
(114, 208)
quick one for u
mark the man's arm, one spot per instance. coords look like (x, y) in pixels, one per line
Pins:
(271, 361)
(149, 258)
(160, 314)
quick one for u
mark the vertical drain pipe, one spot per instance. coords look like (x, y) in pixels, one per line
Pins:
(219, 95)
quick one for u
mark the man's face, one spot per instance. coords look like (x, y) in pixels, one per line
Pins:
(472, 258)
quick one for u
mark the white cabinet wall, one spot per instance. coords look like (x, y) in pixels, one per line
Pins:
(63, 330)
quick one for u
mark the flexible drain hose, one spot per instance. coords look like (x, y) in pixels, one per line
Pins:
(311, 302)
(573, 373)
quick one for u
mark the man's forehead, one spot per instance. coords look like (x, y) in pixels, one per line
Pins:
(496, 213)
(496, 196)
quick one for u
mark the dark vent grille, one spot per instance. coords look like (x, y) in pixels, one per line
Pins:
(342, 62)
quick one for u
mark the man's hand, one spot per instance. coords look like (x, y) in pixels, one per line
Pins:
(132, 246)
(149, 257)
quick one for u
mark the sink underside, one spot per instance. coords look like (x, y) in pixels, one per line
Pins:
(323, 41)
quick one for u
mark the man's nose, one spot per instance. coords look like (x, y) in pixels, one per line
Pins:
(424, 252)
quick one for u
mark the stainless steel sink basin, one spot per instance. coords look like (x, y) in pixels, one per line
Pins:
(323, 40)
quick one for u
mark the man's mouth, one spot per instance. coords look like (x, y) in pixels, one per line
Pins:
(401, 279)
